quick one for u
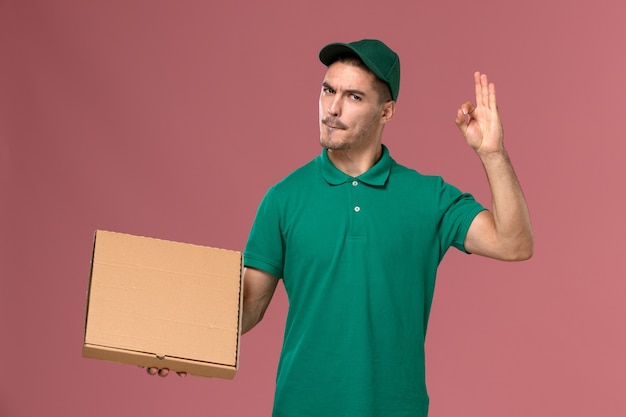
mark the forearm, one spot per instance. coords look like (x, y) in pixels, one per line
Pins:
(252, 315)
(258, 289)
(511, 217)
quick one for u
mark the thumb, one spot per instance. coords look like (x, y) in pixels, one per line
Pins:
(461, 120)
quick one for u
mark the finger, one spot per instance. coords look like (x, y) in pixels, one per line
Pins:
(461, 120)
(484, 89)
(181, 374)
(467, 108)
(478, 89)
(152, 371)
(460, 117)
(492, 97)
(163, 372)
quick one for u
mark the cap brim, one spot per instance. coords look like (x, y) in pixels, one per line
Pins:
(331, 52)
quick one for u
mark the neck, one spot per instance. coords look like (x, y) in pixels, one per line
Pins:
(355, 162)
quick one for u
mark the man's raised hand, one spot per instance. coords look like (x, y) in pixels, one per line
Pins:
(480, 123)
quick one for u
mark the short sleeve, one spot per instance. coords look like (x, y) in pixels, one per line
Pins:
(459, 210)
(265, 247)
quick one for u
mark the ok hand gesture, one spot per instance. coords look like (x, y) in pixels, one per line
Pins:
(480, 124)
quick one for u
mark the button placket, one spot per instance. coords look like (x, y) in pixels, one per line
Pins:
(356, 207)
(356, 203)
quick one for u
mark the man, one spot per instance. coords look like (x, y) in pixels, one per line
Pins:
(357, 239)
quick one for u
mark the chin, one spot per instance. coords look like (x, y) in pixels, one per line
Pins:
(333, 146)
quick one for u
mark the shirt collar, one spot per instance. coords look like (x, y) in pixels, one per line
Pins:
(376, 175)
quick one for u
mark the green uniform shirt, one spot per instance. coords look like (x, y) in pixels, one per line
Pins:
(358, 258)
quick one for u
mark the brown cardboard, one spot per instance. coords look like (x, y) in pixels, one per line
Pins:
(164, 304)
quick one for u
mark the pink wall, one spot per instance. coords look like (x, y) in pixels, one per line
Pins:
(171, 119)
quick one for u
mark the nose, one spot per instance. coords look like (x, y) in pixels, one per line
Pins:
(334, 106)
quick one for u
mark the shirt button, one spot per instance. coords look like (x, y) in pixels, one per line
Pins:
(357, 209)
(355, 183)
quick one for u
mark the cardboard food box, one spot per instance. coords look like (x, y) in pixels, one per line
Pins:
(157, 303)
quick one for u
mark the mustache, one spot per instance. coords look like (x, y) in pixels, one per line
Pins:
(334, 122)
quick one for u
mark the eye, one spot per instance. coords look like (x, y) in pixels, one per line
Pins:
(327, 90)
(355, 97)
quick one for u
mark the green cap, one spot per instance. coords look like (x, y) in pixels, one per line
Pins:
(377, 56)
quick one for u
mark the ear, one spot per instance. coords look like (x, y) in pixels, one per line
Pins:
(387, 111)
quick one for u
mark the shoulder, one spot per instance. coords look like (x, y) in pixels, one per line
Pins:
(299, 176)
(294, 183)
(426, 191)
(410, 176)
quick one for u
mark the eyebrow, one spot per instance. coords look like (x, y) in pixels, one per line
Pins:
(351, 91)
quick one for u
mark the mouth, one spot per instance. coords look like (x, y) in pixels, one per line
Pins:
(334, 124)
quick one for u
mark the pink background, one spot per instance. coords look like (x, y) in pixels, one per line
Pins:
(171, 119)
